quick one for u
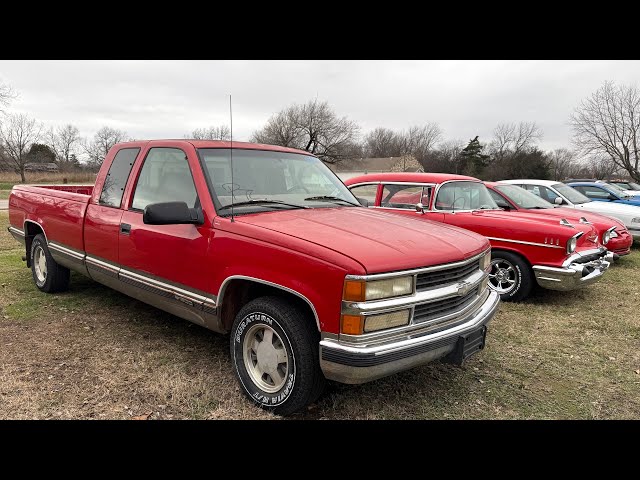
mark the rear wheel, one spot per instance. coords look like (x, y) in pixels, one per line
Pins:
(48, 275)
(510, 276)
(274, 348)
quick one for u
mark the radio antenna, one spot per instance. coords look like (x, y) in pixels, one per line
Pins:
(231, 155)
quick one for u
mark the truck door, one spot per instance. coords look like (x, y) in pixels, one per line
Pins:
(102, 220)
(160, 258)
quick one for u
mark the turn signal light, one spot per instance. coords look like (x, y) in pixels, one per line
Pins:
(351, 324)
(354, 291)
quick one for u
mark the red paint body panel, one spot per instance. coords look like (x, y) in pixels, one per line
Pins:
(620, 245)
(308, 251)
(506, 230)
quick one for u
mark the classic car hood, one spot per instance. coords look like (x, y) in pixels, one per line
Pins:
(526, 216)
(380, 242)
(574, 215)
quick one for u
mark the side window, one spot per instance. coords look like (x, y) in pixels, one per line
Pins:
(165, 177)
(404, 196)
(499, 199)
(117, 177)
(548, 194)
(366, 192)
(595, 192)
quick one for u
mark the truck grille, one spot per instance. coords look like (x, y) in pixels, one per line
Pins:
(429, 280)
(434, 310)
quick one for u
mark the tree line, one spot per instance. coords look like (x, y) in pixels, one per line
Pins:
(605, 142)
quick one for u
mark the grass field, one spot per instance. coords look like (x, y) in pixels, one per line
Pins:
(94, 353)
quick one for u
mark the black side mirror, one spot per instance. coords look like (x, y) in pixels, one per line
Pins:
(363, 201)
(172, 213)
(612, 197)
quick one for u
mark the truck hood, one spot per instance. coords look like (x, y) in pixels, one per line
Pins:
(380, 242)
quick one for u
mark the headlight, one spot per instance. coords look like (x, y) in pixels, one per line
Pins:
(571, 244)
(614, 234)
(359, 291)
(485, 261)
(606, 236)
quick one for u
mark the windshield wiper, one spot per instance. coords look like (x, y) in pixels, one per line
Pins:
(329, 198)
(539, 208)
(265, 202)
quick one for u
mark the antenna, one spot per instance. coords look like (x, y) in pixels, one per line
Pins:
(231, 155)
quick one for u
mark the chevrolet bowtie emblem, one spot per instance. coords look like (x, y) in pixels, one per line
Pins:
(463, 288)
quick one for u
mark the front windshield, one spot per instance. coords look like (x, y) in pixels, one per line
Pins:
(623, 185)
(633, 186)
(464, 196)
(523, 198)
(263, 180)
(570, 194)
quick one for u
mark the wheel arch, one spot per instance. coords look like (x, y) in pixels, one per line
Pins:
(31, 229)
(513, 252)
(238, 290)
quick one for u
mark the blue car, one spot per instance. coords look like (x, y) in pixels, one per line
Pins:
(605, 192)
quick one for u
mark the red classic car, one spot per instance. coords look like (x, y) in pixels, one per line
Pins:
(611, 231)
(526, 248)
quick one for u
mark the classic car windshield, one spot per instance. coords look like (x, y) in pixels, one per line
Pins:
(522, 197)
(464, 195)
(269, 179)
(569, 193)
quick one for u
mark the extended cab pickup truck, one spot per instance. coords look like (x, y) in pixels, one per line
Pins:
(309, 284)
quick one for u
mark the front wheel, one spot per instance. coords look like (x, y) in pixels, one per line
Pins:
(274, 348)
(510, 276)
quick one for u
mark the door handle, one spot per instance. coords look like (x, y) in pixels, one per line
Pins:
(125, 228)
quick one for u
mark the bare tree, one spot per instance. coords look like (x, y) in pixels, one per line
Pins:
(6, 95)
(601, 167)
(608, 123)
(313, 127)
(99, 146)
(511, 138)
(418, 140)
(563, 164)
(382, 142)
(17, 134)
(211, 133)
(64, 141)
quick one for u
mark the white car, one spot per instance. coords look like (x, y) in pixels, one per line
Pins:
(561, 194)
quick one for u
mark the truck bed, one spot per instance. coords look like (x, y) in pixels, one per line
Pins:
(59, 209)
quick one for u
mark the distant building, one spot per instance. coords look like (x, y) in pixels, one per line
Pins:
(41, 167)
(361, 166)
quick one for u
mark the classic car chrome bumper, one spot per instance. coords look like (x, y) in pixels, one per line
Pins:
(363, 363)
(576, 272)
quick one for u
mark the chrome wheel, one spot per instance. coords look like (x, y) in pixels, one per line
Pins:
(265, 358)
(503, 277)
(40, 264)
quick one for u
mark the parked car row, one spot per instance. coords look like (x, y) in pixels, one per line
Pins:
(311, 279)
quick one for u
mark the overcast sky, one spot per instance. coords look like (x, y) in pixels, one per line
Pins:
(167, 99)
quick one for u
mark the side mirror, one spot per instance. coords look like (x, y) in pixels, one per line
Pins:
(419, 208)
(558, 201)
(612, 197)
(363, 201)
(172, 213)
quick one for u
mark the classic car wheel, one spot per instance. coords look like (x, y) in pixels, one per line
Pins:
(274, 348)
(48, 275)
(510, 276)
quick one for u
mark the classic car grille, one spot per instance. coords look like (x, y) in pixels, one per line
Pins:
(426, 281)
(428, 311)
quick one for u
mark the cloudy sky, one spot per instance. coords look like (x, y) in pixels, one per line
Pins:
(167, 99)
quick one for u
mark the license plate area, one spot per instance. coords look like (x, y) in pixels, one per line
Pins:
(467, 345)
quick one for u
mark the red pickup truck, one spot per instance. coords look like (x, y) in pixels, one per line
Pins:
(526, 248)
(278, 253)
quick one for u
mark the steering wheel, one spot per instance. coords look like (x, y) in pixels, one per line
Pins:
(297, 187)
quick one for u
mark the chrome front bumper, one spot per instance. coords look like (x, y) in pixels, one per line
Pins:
(359, 364)
(574, 274)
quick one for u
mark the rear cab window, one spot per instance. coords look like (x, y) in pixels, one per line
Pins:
(116, 179)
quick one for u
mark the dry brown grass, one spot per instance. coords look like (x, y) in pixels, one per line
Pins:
(8, 179)
(94, 353)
